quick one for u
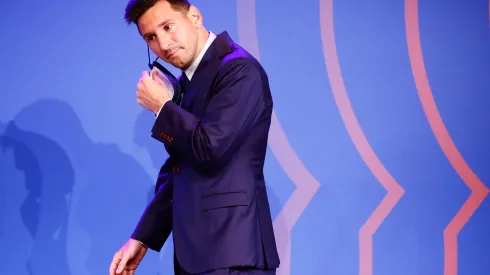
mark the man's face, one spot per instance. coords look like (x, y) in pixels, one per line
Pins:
(170, 34)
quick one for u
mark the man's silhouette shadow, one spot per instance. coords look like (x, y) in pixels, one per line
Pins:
(14, 236)
(110, 192)
(41, 197)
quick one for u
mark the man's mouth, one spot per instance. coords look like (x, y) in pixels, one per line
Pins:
(172, 53)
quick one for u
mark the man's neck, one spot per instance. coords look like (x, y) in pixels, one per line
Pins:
(189, 71)
(203, 37)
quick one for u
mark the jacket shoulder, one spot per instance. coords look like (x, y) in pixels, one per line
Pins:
(238, 56)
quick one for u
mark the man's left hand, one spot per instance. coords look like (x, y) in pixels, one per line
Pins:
(151, 94)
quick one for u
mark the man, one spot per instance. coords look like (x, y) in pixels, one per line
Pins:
(210, 192)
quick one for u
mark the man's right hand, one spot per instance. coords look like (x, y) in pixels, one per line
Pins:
(127, 259)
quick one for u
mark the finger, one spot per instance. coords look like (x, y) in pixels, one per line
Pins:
(140, 102)
(141, 92)
(143, 83)
(115, 261)
(146, 79)
(145, 74)
(144, 103)
(139, 87)
(122, 263)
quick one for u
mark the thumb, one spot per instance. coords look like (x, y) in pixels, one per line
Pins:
(122, 263)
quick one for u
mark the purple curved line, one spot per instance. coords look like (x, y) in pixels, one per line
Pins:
(306, 184)
(394, 190)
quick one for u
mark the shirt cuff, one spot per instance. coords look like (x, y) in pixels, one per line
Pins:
(144, 245)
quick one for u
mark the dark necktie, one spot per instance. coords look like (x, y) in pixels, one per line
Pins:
(184, 82)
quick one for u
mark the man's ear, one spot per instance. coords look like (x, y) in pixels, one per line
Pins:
(195, 16)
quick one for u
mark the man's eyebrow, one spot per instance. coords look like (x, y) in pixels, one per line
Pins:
(164, 22)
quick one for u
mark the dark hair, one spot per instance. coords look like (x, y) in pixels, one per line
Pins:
(136, 8)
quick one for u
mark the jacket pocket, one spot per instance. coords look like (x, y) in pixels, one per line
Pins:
(215, 201)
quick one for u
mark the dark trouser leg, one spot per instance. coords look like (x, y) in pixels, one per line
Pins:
(243, 271)
(225, 271)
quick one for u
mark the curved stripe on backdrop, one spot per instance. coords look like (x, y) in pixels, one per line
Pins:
(306, 184)
(478, 190)
(394, 190)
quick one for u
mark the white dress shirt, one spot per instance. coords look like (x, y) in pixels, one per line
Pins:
(192, 68)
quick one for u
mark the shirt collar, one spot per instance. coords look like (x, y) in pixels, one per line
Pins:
(192, 68)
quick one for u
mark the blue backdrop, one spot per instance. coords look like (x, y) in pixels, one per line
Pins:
(378, 155)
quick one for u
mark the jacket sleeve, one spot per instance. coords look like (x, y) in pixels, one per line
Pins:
(229, 116)
(155, 225)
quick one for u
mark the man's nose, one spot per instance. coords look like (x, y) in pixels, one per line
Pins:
(164, 43)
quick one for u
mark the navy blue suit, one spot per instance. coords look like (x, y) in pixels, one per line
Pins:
(211, 192)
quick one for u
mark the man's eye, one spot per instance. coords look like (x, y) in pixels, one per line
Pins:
(151, 37)
(168, 27)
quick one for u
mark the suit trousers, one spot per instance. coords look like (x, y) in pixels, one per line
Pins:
(225, 271)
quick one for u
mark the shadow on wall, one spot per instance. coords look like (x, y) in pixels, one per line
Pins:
(38, 186)
(70, 201)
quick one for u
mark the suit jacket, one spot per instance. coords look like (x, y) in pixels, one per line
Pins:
(211, 191)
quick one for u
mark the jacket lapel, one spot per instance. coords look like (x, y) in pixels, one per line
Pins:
(201, 81)
(206, 70)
